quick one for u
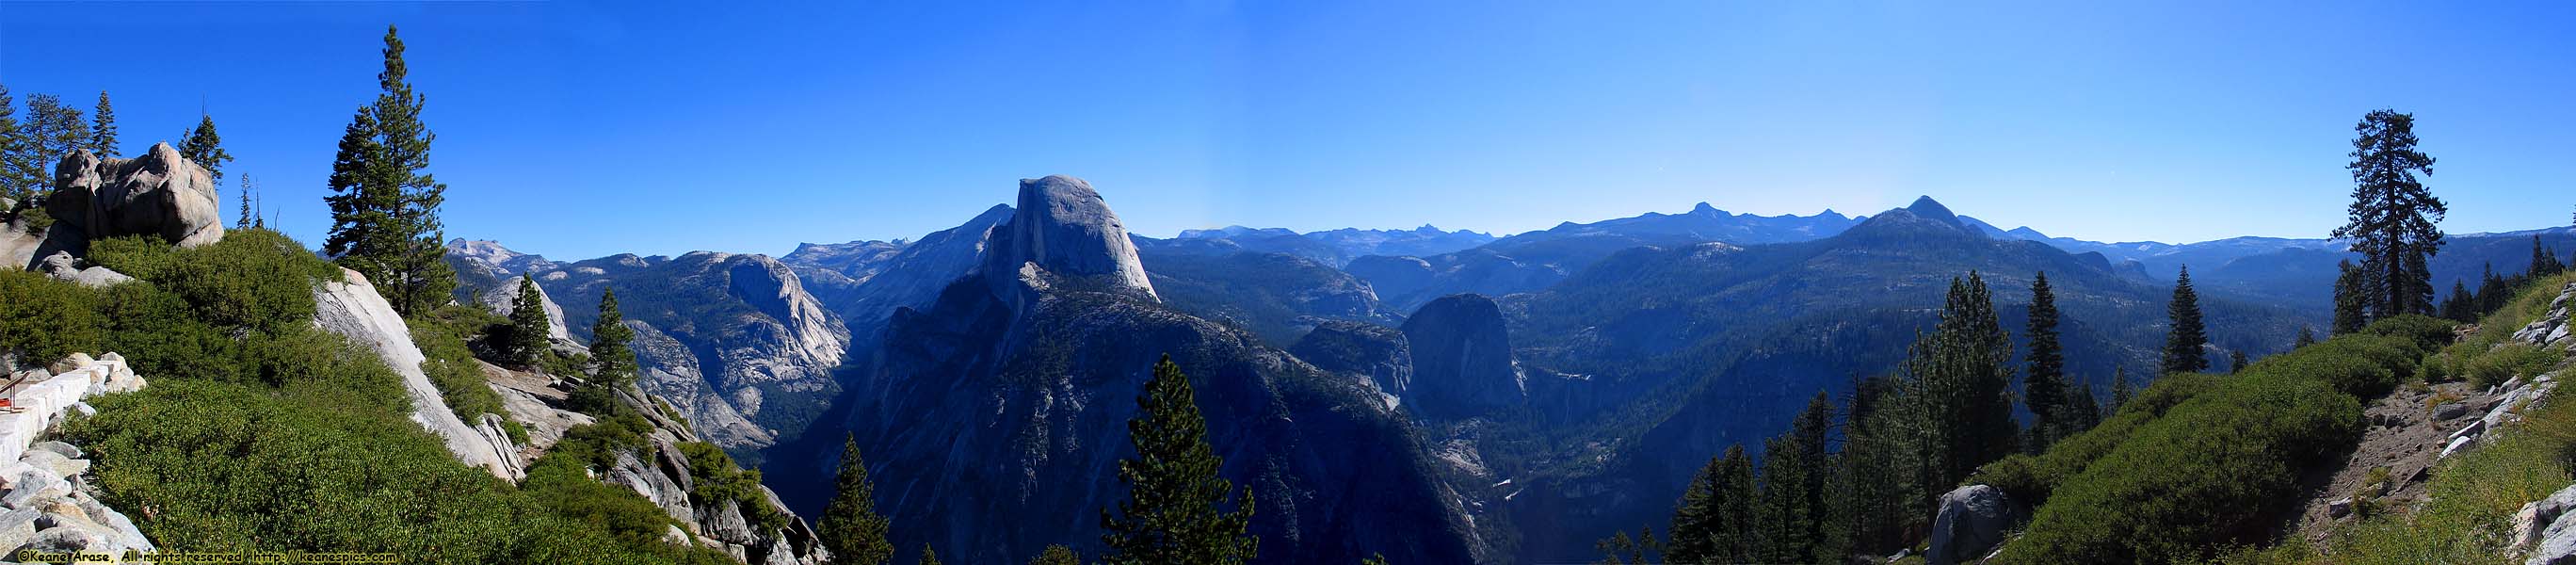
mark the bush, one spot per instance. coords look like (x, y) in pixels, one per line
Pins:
(451, 368)
(253, 278)
(2363, 365)
(2428, 333)
(2505, 362)
(42, 319)
(2031, 479)
(717, 479)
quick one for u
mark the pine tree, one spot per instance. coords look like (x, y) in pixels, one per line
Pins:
(929, 557)
(2236, 361)
(384, 211)
(1061, 555)
(528, 322)
(19, 176)
(2543, 263)
(2461, 306)
(1714, 523)
(2307, 337)
(851, 527)
(2392, 215)
(206, 148)
(102, 132)
(2186, 337)
(612, 359)
(2351, 298)
(1957, 399)
(2120, 390)
(241, 219)
(2045, 387)
(1792, 494)
(2492, 293)
(1872, 510)
(54, 130)
(2085, 412)
(1172, 513)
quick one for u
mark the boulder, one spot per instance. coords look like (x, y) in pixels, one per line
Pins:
(55, 463)
(2339, 507)
(65, 539)
(158, 193)
(2457, 444)
(17, 527)
(74, 362)
(1973, 519)
(62, 266)
(728, 524)
(58, 448)
(34, 487)
(2449, 410)
(2557, 544)
(2536, 518)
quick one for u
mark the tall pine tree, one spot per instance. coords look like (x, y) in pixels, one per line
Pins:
(2121, 390)
(56, 131)
(242, 219)
(2307, 337)
(851, 527)
(102, 131)
(1957, 396)
(1173, 509)
(2185, 336)
(1873, 510)
(2543, 263)
(384, 210)
(528, 323)
(2392, 215)
(2351, 298)
(612, 359)
(2044, 389)
(20, 178)
(206, 148)
(1714, 521)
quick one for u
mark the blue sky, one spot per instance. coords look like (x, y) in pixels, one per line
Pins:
(577, 130)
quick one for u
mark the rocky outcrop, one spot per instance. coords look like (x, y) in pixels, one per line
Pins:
(352, 308)
(1973, 519)
(671, 371)
(1063, 234)
(503, 299)
(659, 473)
(158, 193)
(865, 288)
(1462, 358)
(1376, 352)
(46, 502)
(2551, 330)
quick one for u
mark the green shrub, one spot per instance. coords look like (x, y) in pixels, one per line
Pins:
(718, 479)
(2427, 332)
(2031, 479)
(451, 368)
(42, 319)
(2505, 362)
(2364, 365)
(253, 278)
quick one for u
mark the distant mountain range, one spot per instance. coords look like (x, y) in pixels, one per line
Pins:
(1521, 396)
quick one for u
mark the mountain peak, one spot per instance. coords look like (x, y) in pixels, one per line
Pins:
(1063, 227)
(1931, 209)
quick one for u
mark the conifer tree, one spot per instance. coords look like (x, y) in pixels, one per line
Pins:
(528, 322)
(2543, 263)
(2461, 306)
(2492, 294)
(1061, 555)
(206, 148)
(54, 131)
(612, 358)
(929, 557)
(241, 219)
(851, 527)
(1792, 495)
(2236, 361)
(1957, 396)
(102, 132)
(2351, 298)
(2307, 337)
(2185, 338)
(1873, 511)
(384, 210)
(1172, 513)
(2044, 389)
(2120, 391)
(19, 179)
(2392, 215)
(1714, 523)
(2084, 412)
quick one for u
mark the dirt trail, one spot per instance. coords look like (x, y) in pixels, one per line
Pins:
(2406, 436)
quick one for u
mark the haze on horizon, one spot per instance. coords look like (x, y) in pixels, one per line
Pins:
(579, 129)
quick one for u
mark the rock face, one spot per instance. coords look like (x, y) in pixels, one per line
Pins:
(1462, 358)
(504, 297)
(62, 266)
(865, 285)
(1377, 352)
(45, 502)
(353, 309)
(735, 341)
(1064, 230)
(158, 193)
(996, 416)
(1973, 519)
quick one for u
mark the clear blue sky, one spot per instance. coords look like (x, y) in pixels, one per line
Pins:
(577, 130)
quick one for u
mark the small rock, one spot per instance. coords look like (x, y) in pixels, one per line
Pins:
(2456, 445)
(672, 533)
(17, 527)
(2449, 410)
(84, 409)
(111, 357)
(64, 539)
(55, 462)
(33, 489)
(68, 451)
(73, 362)
(2339, 508)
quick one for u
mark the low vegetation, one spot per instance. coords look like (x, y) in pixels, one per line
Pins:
(261, 432)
